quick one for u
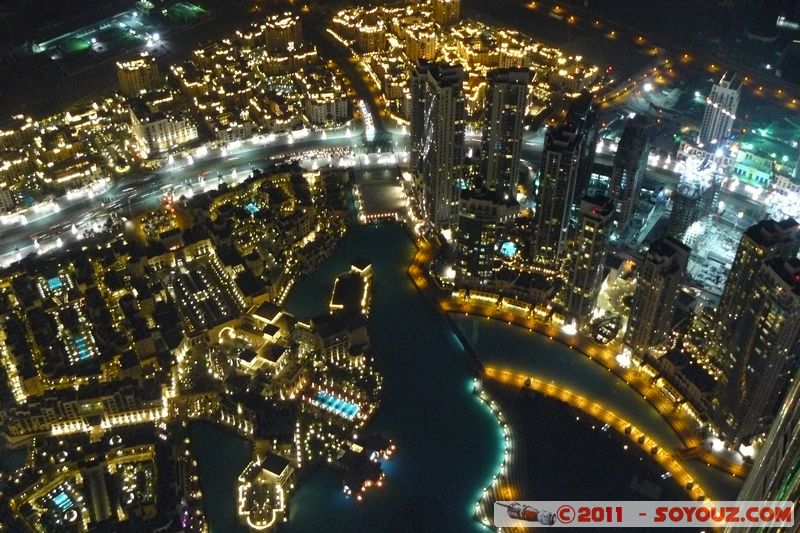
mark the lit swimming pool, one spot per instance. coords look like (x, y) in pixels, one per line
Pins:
(336, 405)
(83, 350)
(62, 501)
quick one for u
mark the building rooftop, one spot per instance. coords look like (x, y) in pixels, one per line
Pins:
(515, 75)
(668, 247)
(789, 272)
(598, 206)
(444, 74)
(361, 263)
(268, 311)
(730, 80)
(348, 292)
(274, 464)
(768, 232)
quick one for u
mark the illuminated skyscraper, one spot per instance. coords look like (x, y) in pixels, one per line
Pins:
(568, 155)
(437, 137)
(761, 242)
(584, 113)
(446, 12)
(481, 216)
(630, 162)
(657, 286)
(761, 348)
(775, 474)
(138, 75)
(694, 197)
(586, 270)
(721, 106)
(506, 94)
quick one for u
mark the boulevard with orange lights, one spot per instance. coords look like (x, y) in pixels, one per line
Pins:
(678, 414)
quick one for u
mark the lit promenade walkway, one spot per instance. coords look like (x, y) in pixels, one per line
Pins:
(505, 484)
(643, 381)
(663, 428)
(665, 456)
(677, 417)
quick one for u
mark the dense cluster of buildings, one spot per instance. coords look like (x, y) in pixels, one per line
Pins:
(108, 349)
(390, 40)
(732, 360)
(266, 79)
(78, 150)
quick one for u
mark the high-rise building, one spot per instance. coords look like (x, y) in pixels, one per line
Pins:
(138, 75)
(584, 113)
(437, 137)
(775, 474)
(158, 124)
(630, 162)
(421, 42)
(691, 201)
(657, 286)
(481, 218)
(721, 106)
(769, 329)
(589, 253)
(506, 94)
(447, 12)
(564, 159)
(761, 242)
(557, 177)
(282, 32)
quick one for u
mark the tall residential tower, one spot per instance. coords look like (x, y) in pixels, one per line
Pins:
(721, 106)
(775, 474)
(761, 242)
(657, 286)
(567, 157)
(589, 254)
(630, 162)
(767, 338)
(506, 96)
(437, 137)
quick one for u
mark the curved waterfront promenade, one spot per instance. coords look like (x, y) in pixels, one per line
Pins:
(670, 453)
(657, 450)
(450, 445)
(674, 413)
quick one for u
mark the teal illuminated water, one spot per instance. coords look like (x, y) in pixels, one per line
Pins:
(221, 456)
(449, 445)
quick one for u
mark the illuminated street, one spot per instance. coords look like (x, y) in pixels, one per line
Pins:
(417, 266)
